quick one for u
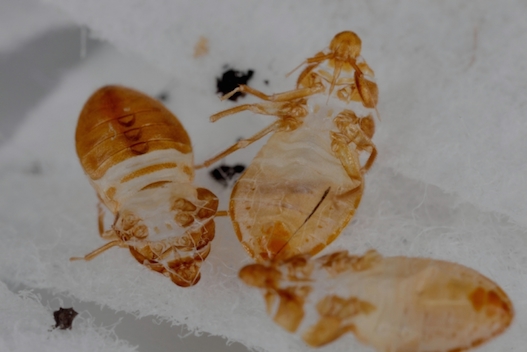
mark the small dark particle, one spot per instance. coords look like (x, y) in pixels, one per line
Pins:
(224, 173)
(230, 80)
(266, 82)
(64, 318)
(163, 96)
(35, 168)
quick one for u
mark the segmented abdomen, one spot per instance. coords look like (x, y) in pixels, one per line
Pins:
(392, 303)
(119, 123)
(139, 159)
(294, 198)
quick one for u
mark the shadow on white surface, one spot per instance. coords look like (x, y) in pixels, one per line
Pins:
(31, 71)
(146, 333)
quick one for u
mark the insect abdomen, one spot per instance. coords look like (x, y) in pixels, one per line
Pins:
(139, 159)
(119, 123)
(294, 204)
(392, 303)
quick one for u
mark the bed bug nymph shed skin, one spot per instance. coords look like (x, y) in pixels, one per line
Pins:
(304, 185)
(139, 159)
(395, 304)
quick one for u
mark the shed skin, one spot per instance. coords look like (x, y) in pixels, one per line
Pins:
(139, 159)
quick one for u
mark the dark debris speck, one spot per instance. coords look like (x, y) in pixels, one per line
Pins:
(224, 173)
(163, 96)
(64, 318)
(230, 80)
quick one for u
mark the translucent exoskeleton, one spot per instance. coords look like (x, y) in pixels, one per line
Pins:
(304, 185)
(395, 304)
(139, 159)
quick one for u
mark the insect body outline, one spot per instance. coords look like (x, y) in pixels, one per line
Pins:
(299, 193)
(304, 185)
(139, 159)
(395, 304)
(322, 138)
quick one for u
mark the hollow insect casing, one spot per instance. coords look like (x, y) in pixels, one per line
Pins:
(304, 185)
(391, 303)
(139, 159)
(295, 197)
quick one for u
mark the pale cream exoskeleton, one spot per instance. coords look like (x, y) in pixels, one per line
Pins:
(395, 304)
(303, 187)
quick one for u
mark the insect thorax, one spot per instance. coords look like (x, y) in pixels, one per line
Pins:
(349, 91)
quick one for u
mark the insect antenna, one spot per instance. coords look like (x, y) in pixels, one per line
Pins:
(307, 218)
(336, 73)
(296, 68)
(315, 59)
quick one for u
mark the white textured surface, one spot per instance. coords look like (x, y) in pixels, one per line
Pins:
(26, 325)
(22, 20)
(448, 183)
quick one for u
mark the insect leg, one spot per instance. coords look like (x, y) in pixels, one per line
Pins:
(100, 212)
(242, 144)
(99, 250)
(348, 158)
(358, 131)
(222, 213)
(107, 235)
(256, 108)
(368, 91)
(370, 160)
(279, 97)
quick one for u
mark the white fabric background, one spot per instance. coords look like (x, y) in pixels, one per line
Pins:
(448, 183)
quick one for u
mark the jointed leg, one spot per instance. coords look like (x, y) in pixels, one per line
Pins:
(256, 108)
(289, 107)
(349, 160)
(368, 91)
(104, 234)
(99, 250)
(242, 144)
(358, 131)
(100, 213)
(279, 97)
(370, 160)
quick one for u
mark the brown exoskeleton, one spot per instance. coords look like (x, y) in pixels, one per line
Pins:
(139, 159)
(299, 193)
(305, 184)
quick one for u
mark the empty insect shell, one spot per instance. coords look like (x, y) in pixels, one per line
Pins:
(303, 187)
(139, 159)
(395, 304)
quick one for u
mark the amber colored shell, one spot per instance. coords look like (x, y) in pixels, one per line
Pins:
(295, 197)
(305, 184)
(139, 159)
(396, 304)
(118, 124)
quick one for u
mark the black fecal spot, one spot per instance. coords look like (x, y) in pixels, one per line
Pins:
(230, 80)
(64, 318)
(225, 173)
(266, 82)
(163, 96)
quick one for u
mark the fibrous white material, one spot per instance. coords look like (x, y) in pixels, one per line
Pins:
(448, 183)
(26, 325)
